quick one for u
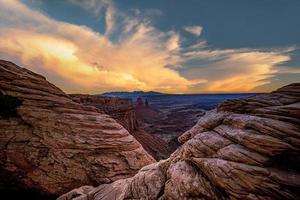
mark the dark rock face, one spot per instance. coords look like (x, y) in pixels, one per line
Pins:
(54, 144)
(8, 105)
(124, 113)
(244, 149)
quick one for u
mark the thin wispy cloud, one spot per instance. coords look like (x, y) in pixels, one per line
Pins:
(196, 30)
(96, 6)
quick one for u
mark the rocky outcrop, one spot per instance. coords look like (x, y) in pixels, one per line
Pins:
(119, 109)
(124, 113)
(53, 144)
(244, 149)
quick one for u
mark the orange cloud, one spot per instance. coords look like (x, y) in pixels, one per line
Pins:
(78, 59)
(239, 70)
(88, 59)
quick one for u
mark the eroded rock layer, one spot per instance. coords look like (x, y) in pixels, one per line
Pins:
(123, 112)
(119, 109)
(244, 149)
(54, 144)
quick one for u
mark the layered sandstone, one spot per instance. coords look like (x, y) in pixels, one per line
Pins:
(244, 149)
(123, 111)
(54, 144)
(119, 109)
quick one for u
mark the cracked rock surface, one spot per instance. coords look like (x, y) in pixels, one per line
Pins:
(54, 144)
(244, 149)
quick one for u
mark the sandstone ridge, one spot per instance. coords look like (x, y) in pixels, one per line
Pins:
(244, 149)
(54, 144)
(122, 110)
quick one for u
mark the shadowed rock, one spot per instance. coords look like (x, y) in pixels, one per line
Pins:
(54, 144)
(123, 112)
(244, 149)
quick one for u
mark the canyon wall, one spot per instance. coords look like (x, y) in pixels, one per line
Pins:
(124, 112)
(244, 149)
(119, 109)
(52, 144)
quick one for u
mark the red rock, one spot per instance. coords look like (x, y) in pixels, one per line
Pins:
(244, 149)
(124, 113)
(55, 144)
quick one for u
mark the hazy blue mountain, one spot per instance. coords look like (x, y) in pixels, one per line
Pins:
(130, 94)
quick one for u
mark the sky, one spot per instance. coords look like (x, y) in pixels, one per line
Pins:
(172, 46)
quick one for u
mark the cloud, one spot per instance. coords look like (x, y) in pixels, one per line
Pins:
(78, 59)
(109, 20)
(153, 12)
(237, 70)
(95, 5)
(107, 7)
(89, 60)
(196, 30)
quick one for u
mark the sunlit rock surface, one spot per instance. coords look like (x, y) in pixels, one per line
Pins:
(54, 144)
(244, 149)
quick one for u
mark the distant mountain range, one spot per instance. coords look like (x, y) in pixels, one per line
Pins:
(131, 94)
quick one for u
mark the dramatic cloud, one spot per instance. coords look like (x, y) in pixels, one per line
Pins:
(196, 30)
(142, 57)
(234, 70)
(87, 59)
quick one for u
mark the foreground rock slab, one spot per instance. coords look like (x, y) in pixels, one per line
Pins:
(244, 149)
(54, 144)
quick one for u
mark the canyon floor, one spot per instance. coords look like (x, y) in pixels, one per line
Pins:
(167, 116)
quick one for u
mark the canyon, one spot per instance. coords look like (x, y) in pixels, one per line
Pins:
(243, 149)
(124, 111)
(167, 116)
(52, 142)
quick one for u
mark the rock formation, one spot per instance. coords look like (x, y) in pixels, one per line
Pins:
(123, 112)
(139, 102)
(53, 144)
(244, 149)
(119, 109)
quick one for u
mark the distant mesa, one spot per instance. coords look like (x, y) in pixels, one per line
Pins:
(131, 94)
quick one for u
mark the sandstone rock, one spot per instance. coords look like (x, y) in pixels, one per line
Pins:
(54, 144)
(244, 149)
(119, 109)
(124, 113)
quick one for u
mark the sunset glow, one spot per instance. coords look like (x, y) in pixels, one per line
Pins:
(143, 57)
